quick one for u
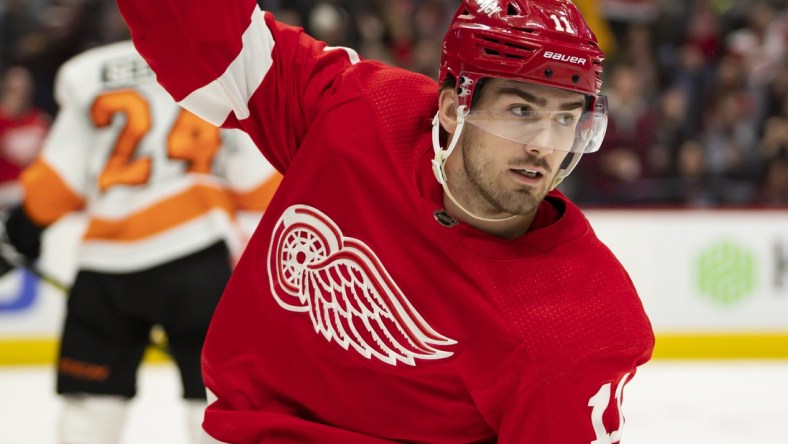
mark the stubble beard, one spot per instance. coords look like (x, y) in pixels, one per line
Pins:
(521, 201)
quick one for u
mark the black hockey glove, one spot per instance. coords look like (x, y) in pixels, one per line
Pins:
(5, 266)
(23, 234)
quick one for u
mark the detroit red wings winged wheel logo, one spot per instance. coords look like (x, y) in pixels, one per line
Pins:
(347, 293)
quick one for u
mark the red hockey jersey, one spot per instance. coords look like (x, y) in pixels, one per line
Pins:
(354, 315)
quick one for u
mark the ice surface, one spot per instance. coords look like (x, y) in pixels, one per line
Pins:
(669, 402)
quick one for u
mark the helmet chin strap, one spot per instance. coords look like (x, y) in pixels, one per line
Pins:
(441, 155)
(562, 173)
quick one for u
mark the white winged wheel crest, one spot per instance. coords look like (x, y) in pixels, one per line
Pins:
(349, 295)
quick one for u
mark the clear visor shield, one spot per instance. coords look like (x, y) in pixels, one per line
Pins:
(578, 130)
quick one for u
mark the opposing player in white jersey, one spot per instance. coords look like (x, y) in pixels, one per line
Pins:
(161, 189)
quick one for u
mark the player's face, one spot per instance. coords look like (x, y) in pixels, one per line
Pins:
(504, 175)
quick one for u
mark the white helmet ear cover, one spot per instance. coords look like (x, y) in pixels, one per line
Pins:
(593, 133)
(439, 161)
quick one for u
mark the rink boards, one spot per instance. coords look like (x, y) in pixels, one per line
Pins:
(714, 283)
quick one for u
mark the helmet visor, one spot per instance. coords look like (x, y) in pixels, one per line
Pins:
(577, 130)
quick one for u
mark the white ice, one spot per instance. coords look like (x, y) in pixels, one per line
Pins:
(669, 402)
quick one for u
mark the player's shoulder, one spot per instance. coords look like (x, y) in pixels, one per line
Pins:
(108, 66)
(400, 100)
(401, 106)
(389, 80)
(97, 56)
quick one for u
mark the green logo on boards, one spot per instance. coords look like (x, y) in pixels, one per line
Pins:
(726, 273)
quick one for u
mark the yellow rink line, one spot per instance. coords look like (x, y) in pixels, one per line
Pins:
(34, 351)
(669, 346)
(722, 346)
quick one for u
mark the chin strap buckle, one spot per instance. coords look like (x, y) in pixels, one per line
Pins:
(437, 169)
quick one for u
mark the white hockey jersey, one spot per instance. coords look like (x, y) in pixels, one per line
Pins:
(155, 181)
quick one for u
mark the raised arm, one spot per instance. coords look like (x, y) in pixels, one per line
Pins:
(235, 66)
(202, 51)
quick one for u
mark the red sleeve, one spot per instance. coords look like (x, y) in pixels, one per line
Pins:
(582, 403)
(235, 66)
(188, 43)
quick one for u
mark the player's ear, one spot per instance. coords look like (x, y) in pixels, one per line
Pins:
(447, 109)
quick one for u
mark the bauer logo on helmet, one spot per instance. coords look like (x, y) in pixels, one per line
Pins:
(564, 58)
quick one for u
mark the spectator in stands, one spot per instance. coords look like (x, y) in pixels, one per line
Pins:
(691, 187)
(614, 176)
(670, 131)
(774, 148)
(16, 18)
(23, 128)
(729, 138)
(59, 34)
(762, 45)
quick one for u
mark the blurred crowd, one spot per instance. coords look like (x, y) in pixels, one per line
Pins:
(698, 89)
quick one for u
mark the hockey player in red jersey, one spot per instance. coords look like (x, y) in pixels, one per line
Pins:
(378, 304)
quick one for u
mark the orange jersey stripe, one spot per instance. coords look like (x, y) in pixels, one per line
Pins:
(47, 196)
(162, 216)
(258, 198)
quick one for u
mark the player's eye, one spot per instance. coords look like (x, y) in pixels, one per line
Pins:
(565, 119)
(523, 111)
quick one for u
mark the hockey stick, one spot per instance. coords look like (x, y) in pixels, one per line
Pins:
(9, 255)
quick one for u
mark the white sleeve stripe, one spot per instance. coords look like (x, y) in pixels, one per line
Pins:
(233, 89)
(351, 54)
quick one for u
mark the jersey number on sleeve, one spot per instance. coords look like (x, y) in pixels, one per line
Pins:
(191, 139)
(599, 403)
